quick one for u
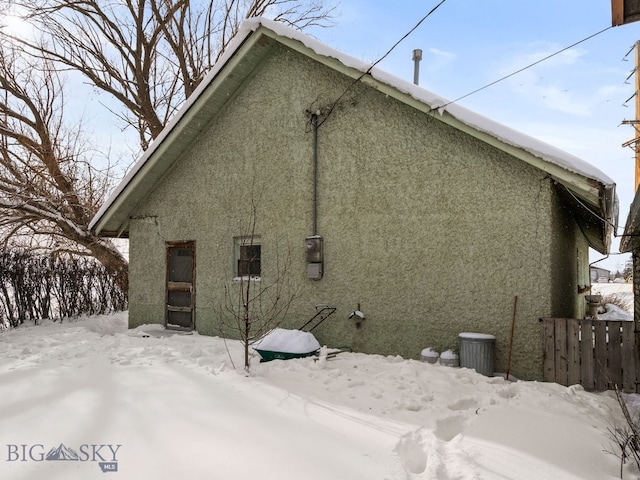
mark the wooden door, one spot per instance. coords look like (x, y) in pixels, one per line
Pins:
(180, 292)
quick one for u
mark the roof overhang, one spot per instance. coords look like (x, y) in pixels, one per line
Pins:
(624, 11)
(630, 240)
(593, 190)
(112, 220)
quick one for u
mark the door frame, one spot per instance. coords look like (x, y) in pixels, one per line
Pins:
(171, 286)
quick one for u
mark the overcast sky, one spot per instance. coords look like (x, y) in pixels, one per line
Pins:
(574, 101)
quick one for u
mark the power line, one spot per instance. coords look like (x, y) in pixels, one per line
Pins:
(404, 36)
(333, 106)
(588, 209)
(521, 70)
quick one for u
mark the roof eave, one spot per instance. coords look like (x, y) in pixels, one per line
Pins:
(112, 220)
(597, 197)
(631, 237)
(592, 191)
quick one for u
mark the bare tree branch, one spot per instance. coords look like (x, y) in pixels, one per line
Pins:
(49, 190)
(254, 307)
(149, 55)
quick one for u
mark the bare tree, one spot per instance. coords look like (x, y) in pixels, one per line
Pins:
(49, 189)
(150, 55)
(147, 55)
(256, 305)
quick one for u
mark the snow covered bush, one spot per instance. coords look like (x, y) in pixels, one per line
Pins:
(620, 301)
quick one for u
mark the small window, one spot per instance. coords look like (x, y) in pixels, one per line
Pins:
(248, 255)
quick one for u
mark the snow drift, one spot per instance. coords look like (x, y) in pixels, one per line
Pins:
(151, 404)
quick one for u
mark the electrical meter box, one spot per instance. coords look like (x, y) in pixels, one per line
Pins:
(314, 257)
(314, 271)
(314, 249)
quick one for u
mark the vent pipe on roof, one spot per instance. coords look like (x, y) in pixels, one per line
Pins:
(417, 56)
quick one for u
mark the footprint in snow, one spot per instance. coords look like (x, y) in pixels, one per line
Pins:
(464, 404)
(411, 453)
(449, 427)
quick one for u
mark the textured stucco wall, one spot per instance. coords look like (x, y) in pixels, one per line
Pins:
(570, 262)
(147, 272)
(430, 231)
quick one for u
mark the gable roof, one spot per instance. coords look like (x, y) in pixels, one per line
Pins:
(590, 190)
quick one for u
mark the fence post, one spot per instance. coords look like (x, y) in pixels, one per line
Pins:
(548, 367)
(614, 354)
(629, 357)
(601, 365)
(573, 351)
(587, 379)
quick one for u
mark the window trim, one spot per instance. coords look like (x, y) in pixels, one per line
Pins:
(238, 243)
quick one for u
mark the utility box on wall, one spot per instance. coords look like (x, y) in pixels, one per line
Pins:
(314, 257)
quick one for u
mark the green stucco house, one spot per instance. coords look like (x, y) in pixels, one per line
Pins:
(374, 194)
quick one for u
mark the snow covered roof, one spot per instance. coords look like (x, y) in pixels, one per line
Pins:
(590, 187)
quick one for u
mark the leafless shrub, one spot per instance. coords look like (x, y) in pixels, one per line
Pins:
(253, 307)
(618, 300)
(34, 287)
(627, 436)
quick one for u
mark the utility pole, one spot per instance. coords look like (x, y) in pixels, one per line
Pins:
(636, 122)
(637, 91)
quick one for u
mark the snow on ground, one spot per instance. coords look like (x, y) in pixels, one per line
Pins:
(613, 288)
(106, 402)
(622, 294)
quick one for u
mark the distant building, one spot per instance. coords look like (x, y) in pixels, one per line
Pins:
(599, 275)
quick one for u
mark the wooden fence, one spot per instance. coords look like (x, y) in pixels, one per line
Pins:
(597, 354)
